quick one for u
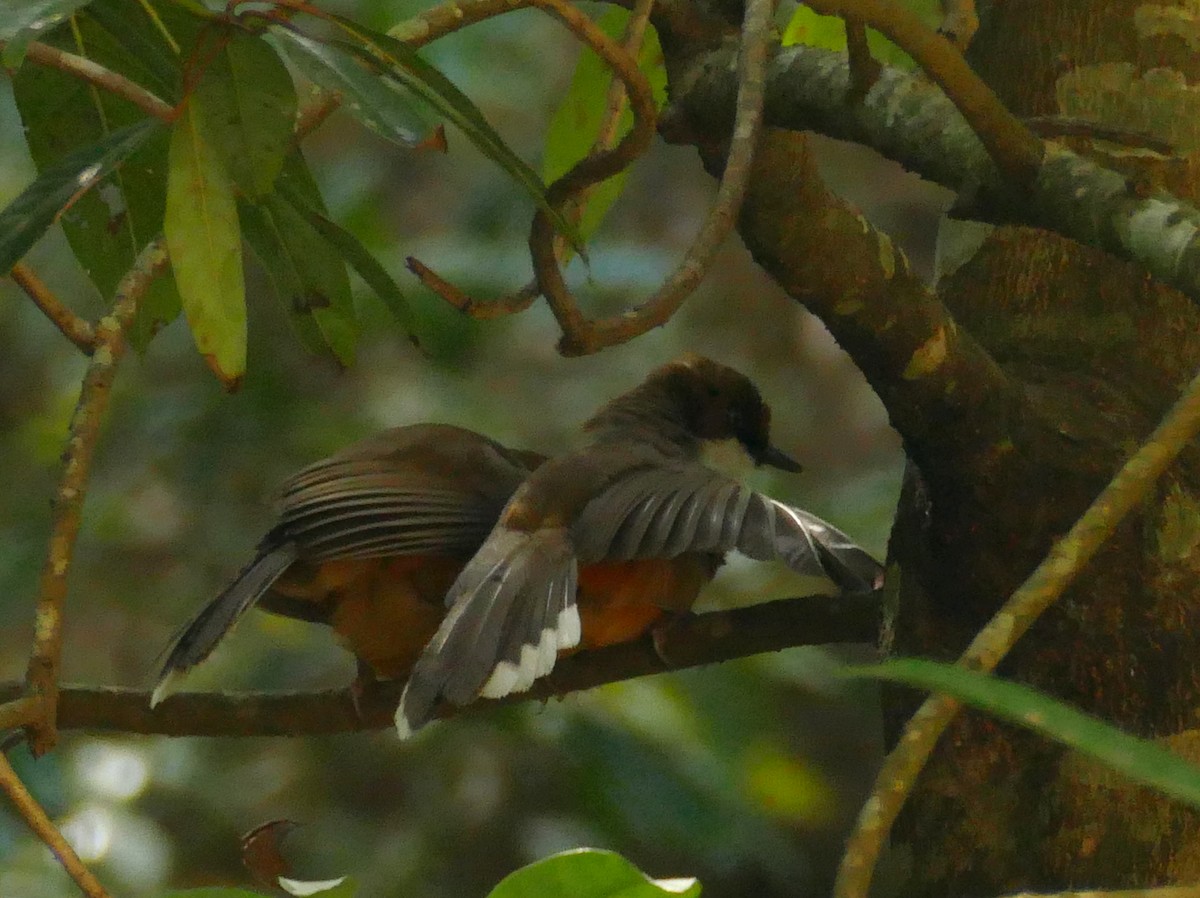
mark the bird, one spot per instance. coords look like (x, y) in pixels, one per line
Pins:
(367, 541)
(596, 545)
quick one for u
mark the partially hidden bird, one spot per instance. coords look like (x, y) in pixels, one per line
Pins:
(594, 546)
(367, 541)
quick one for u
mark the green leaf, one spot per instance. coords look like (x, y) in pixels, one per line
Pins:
(213, 892)
(106, 229)
(308, 274)
(249, 104)
(1138, 759)
(389, 111)
(829, 32)
(397, 61)
(358, 256)
(204, 240)
(29, 215)
(576, 122)
(27, 20)
(589, 873)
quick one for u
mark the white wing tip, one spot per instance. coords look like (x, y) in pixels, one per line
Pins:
(165, 688)
(568, 627)
(403, 728)
(536, 660)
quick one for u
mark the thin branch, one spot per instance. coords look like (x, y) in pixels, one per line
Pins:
(481, 309)
(438, 21)
(581, 336)
(76, 329)
(42, 674)
(1015, 149)
(864, 68)
(83, 68)
(687, 642)
(45, 830)
(1069, 556)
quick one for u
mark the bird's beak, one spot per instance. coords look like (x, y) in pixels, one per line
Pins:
(777, 458)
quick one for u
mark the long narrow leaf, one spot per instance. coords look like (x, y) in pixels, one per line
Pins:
(28, 20)
(204, 240)
(359, 258)
(589, 873)
(392, 114)
(1138, 759)
(29, 215)
(398, 61)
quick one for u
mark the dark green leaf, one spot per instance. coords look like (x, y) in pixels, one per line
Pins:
(390, 112)
(146, 44)
(358, 256)
(29, 216)
(399, 62)
(344, 887)
(308, 274)
(204, 240)
(249, 105)
(1137, 758)
(576, 122)
(589, 873)
(214, 892)
(107, 228)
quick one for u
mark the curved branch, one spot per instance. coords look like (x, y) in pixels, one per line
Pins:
(581, 336)
(1015, 149)
(76, 329)
(1069, 556)
(688, 642)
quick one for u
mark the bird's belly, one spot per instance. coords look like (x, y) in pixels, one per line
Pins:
(383, 609)
(619, 601)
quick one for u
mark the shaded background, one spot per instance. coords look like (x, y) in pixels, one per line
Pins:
(744, 774)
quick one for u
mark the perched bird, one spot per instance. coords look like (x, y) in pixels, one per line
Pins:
(368, 541)
(595, 544)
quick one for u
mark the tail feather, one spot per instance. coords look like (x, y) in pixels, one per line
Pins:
(511, 609)
(203, 632)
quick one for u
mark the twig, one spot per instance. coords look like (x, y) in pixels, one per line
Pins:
(1043, 587)
(615, 104)
(438, 21)
(74, 328)
(45, 830)
(106, 79)
(688, 642)
(1015, 149)
(581, 336)
(481, 309)
(42, 674)
(864, 68)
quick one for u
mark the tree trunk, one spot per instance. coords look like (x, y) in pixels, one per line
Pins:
(1019, 389)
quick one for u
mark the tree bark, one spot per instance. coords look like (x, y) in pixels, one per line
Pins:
(1019, 388)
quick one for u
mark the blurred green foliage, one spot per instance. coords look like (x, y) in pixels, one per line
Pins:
(743, 775)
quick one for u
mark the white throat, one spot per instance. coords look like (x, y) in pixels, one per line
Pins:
(728, 456)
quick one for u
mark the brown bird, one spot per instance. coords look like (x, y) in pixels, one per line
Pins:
(368, 541)
(599, 541)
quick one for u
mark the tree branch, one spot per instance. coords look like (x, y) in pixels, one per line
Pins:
(45, 830)
(42, 674)
(83, 68)
(688, 642)
(909, 120)
(581, 336)
(1015, 149)
(1069, 556)
(76, 329)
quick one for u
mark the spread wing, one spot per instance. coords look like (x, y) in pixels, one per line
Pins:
(511, 610)
(513, 606)
(664, 512)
